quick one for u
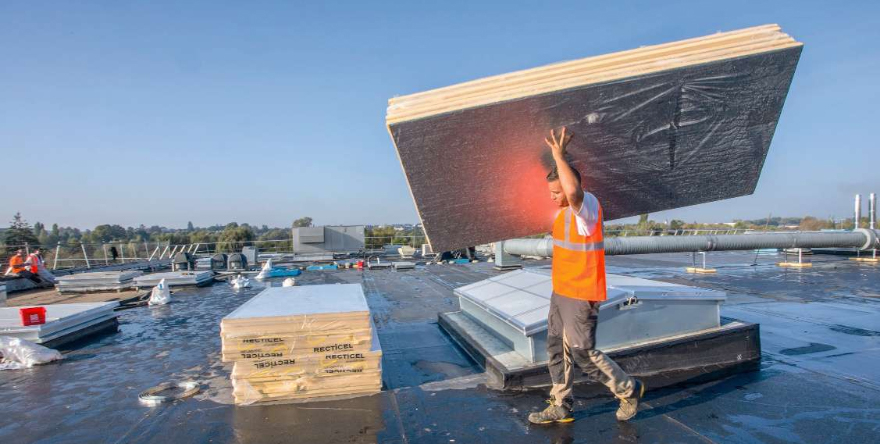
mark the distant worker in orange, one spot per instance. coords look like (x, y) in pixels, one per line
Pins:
(32, 263)
(38, 266)
(16, 263)
(18, 267)
(578, 290)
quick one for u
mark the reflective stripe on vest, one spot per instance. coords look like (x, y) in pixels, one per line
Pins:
(589, 246)
(577, 246)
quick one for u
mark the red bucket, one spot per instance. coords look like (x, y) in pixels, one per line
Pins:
(33, 316)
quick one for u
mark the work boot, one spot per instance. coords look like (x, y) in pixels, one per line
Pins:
(553, 413)
(630, 406)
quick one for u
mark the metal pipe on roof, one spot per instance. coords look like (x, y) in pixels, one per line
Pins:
(858, 214)
(863, 239)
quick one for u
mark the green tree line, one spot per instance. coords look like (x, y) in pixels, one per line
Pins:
(229, 237)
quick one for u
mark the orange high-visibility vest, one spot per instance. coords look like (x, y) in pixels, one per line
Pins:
(578, 261)
(35, 263)
(16, 263)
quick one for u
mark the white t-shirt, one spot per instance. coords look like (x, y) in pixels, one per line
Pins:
(587, 218)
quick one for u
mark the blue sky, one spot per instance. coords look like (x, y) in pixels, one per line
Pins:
(262, 112)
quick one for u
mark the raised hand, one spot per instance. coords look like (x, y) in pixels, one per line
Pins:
(557, 144)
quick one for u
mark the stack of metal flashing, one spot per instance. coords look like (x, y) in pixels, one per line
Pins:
(403, 265)
(378, 265)
(301, 343)
(64, 322)
(204, 263)
(97, 281)
(175, 279)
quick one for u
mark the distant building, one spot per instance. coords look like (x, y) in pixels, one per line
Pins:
(328, 239)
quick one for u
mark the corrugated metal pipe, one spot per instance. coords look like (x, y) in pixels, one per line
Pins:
(862, 238)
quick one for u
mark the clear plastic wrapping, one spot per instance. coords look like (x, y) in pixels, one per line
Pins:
(160, 295)
(17, 353)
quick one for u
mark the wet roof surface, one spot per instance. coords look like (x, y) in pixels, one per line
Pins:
(819, 382)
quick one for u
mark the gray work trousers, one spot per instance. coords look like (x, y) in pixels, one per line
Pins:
(571, 338)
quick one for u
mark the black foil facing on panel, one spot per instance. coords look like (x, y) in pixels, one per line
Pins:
(644, 144)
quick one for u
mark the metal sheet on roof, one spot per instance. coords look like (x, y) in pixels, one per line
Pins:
(522, 298)
(534, 320)
(173, 278)
(645, 288)
(486, 292)
(99, 277)
(59, 318)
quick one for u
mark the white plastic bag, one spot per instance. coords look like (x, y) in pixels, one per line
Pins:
(240, 282)
(161, 295)
(289, 282)
(20, 353)
(266, 270)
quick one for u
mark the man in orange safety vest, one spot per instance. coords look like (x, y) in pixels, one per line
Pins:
(38, 267)
(16, 263)
(578, 290)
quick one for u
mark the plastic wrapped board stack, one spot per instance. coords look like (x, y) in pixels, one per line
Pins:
(64, 322)
(300, 343)
(655, 128)
(97, 281)
(175, 278)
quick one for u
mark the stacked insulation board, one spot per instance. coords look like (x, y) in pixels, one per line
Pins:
(97, 281)
(655, 128)
(301, 343)
(64, 322)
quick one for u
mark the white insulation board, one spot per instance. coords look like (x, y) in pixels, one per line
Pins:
(304, 300)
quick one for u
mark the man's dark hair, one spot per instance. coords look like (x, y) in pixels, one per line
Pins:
(554, 174)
